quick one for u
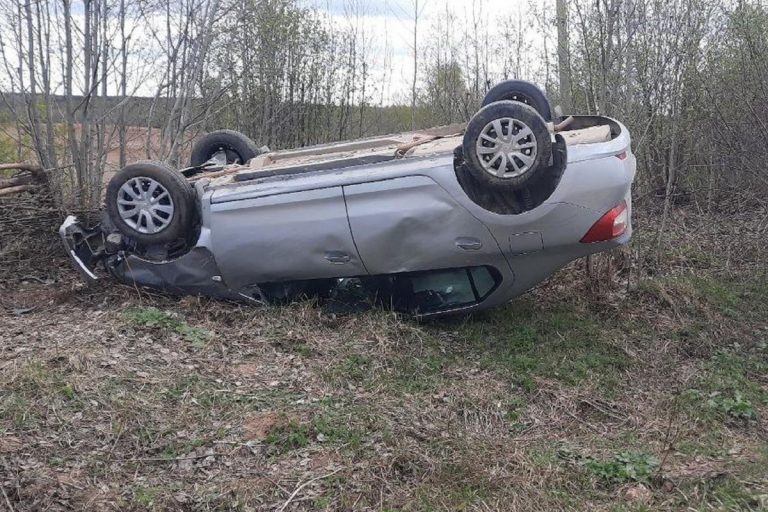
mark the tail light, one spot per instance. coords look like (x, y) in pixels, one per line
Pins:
(609, 226)
(622, 156)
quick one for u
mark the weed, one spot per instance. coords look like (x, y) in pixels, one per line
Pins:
(144, 496)
(288, 437)
(321, 502)
(355, 367)
(168, 453)
(727, 388)
(156, 318)
(624, 467)
(67, 392)
(737, 407)
(331, 429)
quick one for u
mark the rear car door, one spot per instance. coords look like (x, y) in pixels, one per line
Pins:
(411, 224)
(284, 237)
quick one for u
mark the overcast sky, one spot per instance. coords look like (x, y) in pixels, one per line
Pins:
(389, 29)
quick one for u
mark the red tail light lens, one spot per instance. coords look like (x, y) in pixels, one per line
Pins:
(609, 226)
(622, 156)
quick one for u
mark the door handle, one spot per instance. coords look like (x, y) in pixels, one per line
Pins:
(469, 244)
(337, 257)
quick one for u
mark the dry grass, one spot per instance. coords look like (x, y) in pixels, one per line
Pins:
(610, 395)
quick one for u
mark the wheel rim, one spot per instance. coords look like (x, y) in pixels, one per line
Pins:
(519, 98)
(225, 155)
(145, 205)
(506, 148)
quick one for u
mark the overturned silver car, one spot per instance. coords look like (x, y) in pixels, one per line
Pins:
(446, 220)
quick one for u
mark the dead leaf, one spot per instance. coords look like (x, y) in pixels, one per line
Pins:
(638, 493)
(9, 444)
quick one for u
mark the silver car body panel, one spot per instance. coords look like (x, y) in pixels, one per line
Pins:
(389, 219)
(412, 214)
(290, 236)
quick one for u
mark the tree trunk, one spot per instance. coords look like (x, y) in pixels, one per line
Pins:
(563, 56)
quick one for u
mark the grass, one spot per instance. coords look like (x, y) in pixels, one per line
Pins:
(289, 437)
(565, 399)
(336, 429)
(153, 317)
(569, 344)
(144, 496)
(624, 467)
(729, 388)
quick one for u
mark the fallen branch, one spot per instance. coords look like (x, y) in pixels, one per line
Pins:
(300, 487)
(172, 459)
(35, 177)
(7, 501)
(30, 168)
(19, 180)
(16, 190)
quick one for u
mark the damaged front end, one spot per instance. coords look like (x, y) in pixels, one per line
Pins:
(86, 247)
(192, 272)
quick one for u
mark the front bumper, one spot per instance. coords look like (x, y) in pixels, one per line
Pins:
(84, 246)
(194, 272)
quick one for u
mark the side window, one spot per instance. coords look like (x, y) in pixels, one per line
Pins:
(440, 290)
(484, 281)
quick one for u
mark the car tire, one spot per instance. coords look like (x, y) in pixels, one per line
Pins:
(522, 91)
(237, 147)
(502, 159)
(151, 203)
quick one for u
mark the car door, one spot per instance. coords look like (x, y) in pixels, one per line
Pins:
(411, 223)
(284, 237)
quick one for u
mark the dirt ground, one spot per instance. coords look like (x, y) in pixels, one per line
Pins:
(643, 386)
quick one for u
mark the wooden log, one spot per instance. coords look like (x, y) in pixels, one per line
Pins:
(38, 173)
(31, 168)
(17, 190)
(14, 182)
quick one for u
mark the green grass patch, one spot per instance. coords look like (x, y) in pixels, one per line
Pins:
(37, 390)
(723, 492)
(67, 391)
(290, 436)
(414, 374)
(406, 372)
(562, 341)
(695, 295)
(356, 368)
(623, 467)
(337, 430)
(211, 396)
(728, 388)
(17, 411)
(153, 317)
(145, 496)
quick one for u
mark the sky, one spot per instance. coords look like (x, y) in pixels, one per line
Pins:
(389, 24)
(388, 30)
